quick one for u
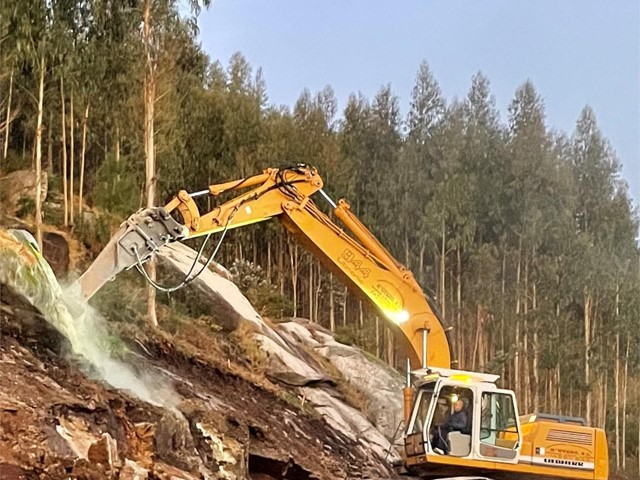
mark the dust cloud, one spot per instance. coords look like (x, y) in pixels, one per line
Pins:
(82, 325)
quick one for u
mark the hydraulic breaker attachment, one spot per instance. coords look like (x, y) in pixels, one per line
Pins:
(138, 238)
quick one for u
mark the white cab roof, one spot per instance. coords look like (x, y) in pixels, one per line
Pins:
(463, 375)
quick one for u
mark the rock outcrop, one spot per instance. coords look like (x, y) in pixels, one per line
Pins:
(381, 384)
(288, 345)
(19, 185)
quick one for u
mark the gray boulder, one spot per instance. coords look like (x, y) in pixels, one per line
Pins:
(381, 384)
(18, 185)
(287, 347)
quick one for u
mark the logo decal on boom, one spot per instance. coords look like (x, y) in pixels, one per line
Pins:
(349, 260)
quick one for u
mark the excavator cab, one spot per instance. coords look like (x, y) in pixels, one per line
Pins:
(491, 430)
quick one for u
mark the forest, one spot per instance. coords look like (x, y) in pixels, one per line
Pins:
(526, 235)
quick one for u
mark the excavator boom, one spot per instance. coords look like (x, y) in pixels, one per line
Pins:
(351, 252)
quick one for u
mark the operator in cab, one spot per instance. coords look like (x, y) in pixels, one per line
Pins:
(455, 422)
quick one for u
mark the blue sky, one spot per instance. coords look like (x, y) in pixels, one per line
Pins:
(576, 52)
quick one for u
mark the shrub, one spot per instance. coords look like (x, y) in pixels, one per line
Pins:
(263, 295)
(26, 207)
(117, 187)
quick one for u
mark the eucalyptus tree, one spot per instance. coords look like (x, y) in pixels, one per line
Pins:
(595, 169)
(157, 15)
(382, 146)
(483, 166)
(418, 160)
(484, 156)
(447, 224)
(64, 68)
(29, 24)
(243, 126)
(352, 139)
(314, 143)
(530, 172)
(379, 203)
(7, 74)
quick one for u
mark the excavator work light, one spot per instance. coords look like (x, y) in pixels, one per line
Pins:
(398, 317)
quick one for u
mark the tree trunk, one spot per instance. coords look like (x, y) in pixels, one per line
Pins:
(316, 302)
(254, 245)
(406, 249)
(117, 144)
(478, 340)
(587, 342)
(39, 153)
(548, 398)
(105, 146)
(311, 288)
(442, 289)
(293, 259)
(377, 337)
(536, 353)
(459, 303)
(71, 158)
(558, 393)
(603, 406)
(391, 357)
(65, 192)
(149, 88)
(50, 145)
(268, 258)
(332, 306)
(7, 126)
(617, 391)
(516, 359)
(525, 342)
(617, 379)
(421, 263)
(82, 155)
(344, 307)
(281, 262)
(503, 289)
(625, 384)
(571, 401)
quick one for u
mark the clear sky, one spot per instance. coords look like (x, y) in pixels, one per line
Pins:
(576, 52)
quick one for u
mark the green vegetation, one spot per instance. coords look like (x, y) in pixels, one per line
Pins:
(264, 296)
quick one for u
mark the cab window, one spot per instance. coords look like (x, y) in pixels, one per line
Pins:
(451, 426)
(498, 428)
(422, 410)
(447, 398)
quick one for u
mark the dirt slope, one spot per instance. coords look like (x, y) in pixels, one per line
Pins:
(55, 422)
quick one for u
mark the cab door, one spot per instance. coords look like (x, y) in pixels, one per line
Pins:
(498, 439)
(415, 440)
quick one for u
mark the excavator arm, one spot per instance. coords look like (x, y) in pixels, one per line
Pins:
(352, 253)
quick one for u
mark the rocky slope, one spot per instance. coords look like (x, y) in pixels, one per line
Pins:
(250, 399)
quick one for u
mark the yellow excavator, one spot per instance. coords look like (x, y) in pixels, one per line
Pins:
(496, 442)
